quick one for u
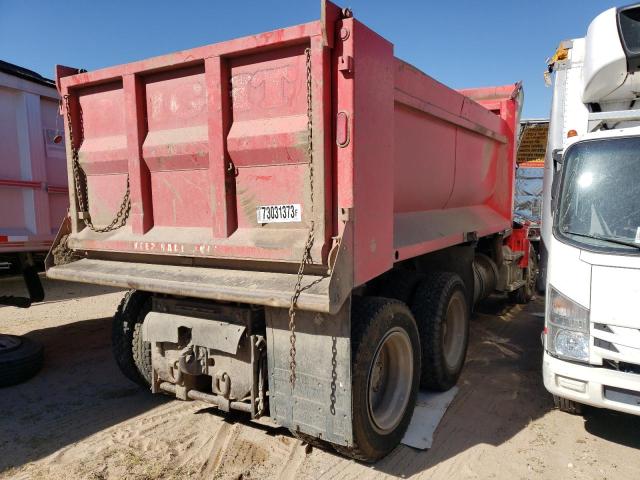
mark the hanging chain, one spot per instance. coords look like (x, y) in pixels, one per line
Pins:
(306, 255)
(62, 254)
(80, 181)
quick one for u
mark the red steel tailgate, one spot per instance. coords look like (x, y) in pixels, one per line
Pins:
(202, 139)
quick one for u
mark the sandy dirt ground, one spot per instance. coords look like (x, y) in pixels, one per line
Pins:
(79, 418)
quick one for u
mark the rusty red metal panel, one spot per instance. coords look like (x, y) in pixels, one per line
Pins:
(373, 143)
(208, 137)
(506, 102)
(454, 159)
(141, 216)
(204, 139)
(221, 170)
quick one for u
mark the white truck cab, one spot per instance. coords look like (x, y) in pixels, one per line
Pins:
(591, 218)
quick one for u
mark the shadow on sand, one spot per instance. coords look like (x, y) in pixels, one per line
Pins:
(54, 290)
(80, 391)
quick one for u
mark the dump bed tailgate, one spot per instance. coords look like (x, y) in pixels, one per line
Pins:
(217, 151)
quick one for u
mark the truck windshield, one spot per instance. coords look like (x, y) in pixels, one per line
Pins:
(599, 201)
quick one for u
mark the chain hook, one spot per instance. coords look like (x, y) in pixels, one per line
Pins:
(80, 181)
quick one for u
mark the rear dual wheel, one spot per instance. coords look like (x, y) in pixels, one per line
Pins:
(395, 350)
(386, 374)
(132, 354)
(441, 308)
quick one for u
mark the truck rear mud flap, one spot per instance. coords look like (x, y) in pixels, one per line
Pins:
(319, 403)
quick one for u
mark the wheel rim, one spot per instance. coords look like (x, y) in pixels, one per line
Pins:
(453, 334)
(390, 380)
(8, 343)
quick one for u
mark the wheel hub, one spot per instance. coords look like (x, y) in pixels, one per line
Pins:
(453, 330)
(390, 380)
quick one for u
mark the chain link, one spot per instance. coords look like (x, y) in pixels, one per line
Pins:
(306, 255)
(80, 181)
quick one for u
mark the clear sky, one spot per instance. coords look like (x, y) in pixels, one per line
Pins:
(461, 43)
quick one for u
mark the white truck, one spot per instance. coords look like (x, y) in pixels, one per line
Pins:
(591, 218)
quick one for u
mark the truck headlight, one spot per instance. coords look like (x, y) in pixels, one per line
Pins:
(567, 327)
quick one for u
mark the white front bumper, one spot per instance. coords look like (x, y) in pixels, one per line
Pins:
(586, 384)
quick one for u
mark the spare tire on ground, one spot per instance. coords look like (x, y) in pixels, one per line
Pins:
(20, 359)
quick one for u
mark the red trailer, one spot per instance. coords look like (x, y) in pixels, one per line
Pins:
(304, 220)
(33, 177)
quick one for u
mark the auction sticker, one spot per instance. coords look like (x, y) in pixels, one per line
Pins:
(291, 212)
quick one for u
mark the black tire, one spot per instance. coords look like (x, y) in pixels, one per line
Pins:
(374, 321)
(541, 282)
(430, 305)
(567, 406)
(132, 354)
(525, 293)
(20, 361)
(399, 284)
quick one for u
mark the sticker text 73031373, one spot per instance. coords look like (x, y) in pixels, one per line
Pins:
(279, 213)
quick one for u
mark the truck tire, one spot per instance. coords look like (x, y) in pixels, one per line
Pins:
(441, 308)
(400, 284)
(541, 281)
(20, 359)
(525, 293)
(386, 372)
(132, 354)
(567, 406)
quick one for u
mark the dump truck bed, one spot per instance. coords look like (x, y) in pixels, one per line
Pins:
(240, 155)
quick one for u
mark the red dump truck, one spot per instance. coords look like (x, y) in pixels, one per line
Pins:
(304, 222)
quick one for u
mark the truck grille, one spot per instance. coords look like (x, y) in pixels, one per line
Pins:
(619, 347)
(621, 366)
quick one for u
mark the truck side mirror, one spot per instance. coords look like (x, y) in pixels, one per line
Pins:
(557, 173)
